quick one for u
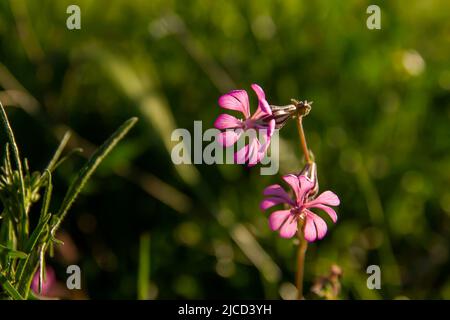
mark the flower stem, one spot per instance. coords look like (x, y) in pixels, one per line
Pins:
(302, 137)
(302, 246)
(302, 243)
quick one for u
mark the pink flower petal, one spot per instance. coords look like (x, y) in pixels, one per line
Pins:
(270, 202)
(47, 284)
(328, 210)
(305, 186)
(259, 91)
(310, 232)
(236, 100)
(253, 152)
(225, 121)
(266, 134)
(263, 106)
(228, 138)
(241, 156)
(289, 228)
(292, 180)
(261, 155)
(262, 150)
(277, 218)
(271, 128)
(300, 184)
(327, 198)
(321, 226)
(277, 191)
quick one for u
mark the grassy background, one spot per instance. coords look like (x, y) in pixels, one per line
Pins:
(379, 129)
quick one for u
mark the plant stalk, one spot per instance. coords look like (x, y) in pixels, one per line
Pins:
(302, 243)
(301, 251)
(303, 145)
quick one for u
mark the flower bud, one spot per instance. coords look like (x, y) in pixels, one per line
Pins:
(303, 107)
(282, 114)
(310, 171)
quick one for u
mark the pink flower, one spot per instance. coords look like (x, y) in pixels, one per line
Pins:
(286, 221)
(48, 283)
(261, 121)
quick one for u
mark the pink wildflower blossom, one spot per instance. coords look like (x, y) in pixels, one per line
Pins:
(286, 221)
(261, 121)
(48, 283)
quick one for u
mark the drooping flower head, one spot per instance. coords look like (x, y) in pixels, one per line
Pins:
(282, 114)
(304, 187)
(261, 121)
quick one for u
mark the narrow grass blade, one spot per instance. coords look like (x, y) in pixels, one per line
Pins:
(69, 154)
(86, 172)
(12, 142)
(39, 233)
(37, 236)
(144, 267)
(52, 164)
(47, 195)
(11, 253)
(23, 287)
(8, 166)
(9, 288)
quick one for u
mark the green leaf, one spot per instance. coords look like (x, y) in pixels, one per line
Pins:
(8, 166)
(30, 269)
(144, 267)
(69, 154)
(9, 288)
(53, 162)
(13, 253)
(56, 160)
(47, 195)
(41, 228)
(12, 142)
(27, 267)
(86, 172)
(39, 234)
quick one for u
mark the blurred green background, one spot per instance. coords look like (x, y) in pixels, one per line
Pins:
(147, 229)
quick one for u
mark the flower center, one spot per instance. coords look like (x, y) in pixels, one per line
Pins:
(254, 124)
(298, 212)
(248, 124)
